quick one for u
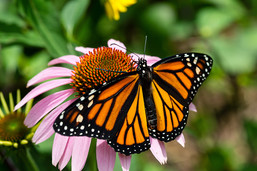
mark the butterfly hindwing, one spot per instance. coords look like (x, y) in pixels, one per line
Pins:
(133, 137)
(175, 82)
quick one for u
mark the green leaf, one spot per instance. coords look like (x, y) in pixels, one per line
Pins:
(211, 21)
(236, 54)
(159, 19)
(9, 14)
(29, 38)
(44, 19)
(9, 58)
(72, 13)
(251, 130)
(33, 65)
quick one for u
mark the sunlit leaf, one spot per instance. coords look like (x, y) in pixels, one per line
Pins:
(236, 54)
(210, 21)
(72, 13)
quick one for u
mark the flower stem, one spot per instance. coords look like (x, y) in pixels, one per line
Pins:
(30, 161)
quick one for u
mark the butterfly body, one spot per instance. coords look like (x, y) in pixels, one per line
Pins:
(127, 110)
(145, 73)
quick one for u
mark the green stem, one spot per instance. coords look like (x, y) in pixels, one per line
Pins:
(30, 161)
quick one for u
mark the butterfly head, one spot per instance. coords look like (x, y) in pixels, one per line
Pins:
(144, 71)
(142, 66)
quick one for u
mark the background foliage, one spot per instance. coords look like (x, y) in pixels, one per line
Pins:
(220, 136)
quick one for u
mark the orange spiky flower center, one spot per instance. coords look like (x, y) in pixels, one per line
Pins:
(100, 66)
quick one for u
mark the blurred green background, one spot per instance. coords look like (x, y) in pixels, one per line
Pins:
(222, 135)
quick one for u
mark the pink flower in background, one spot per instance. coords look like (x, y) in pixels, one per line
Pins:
(48, 109)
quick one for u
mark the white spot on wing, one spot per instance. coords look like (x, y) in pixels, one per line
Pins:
(189, 64)
(79, 118)
(195, 60)
(80, 107)
(186, 55)
(61, 116)
(197, 70)
(82, 127)
(90, 104)
(92, 91)
(91, 97)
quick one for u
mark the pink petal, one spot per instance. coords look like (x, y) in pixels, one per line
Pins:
(67, 154)
(84, 50)
(41, 108)
(68, 59)
(117, 45)
(125, 161)
(181, 140)
(150, 59)
(43, 136)
(41, 89)
(158, 150)
(49, 73)
(80, 152)
(59, 146)
(45, 129)
(192, 107)
(105, 156)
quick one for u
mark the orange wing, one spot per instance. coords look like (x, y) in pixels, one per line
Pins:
(133, 136)
(101, 112)
(175, 83)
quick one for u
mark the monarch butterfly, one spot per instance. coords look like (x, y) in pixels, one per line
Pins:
(151, 101)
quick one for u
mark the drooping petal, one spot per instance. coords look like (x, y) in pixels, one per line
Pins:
(43, 136)
(67, 154)
(192, 107)
(181, 140)
(158, 150)
(117, 45)
(41, 108)
(41, 89)
(150, 59)
(125, 161)
(105, 156)
(68, 59)
(45, 129)
(84, 50)
(59, 146)
(80, 152)
(49, 73)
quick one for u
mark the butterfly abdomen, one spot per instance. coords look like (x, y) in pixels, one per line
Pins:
(150, 113)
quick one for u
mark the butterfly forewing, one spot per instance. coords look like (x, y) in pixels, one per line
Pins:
(98, 114)
(175, 82)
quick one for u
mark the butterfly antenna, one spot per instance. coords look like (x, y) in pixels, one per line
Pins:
(125, 49)
(110, 70)
(145, 45)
